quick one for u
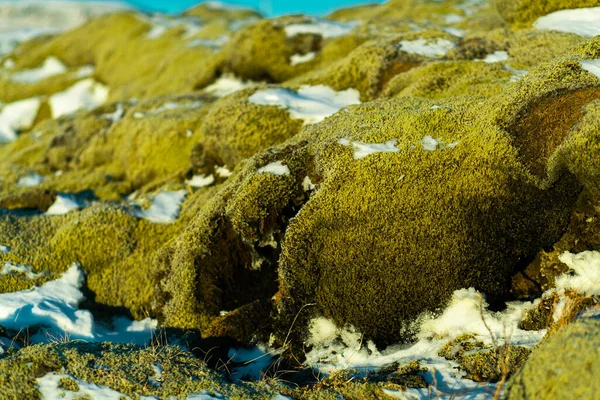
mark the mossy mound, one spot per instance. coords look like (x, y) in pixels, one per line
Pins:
(564, 366)
(524, 12)
(128, 369)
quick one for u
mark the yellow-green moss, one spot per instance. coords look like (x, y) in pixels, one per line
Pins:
(564, 366)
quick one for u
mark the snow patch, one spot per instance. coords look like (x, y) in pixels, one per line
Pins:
(311, 103)
(592, 66)
(165, 207)
(52, 66)
(222, 172)
(63, 204)
(276, 168)
(85, 71)
(116, 115)
(54, 307)
(162, 23)
(31, 180)
(429, 143)
(18, 116)
(169, 106)
(497, 56)
(20, 269)
(214, 44)
(361, 150)
(307, 184)
(200, 181)
(426, 47)
(327, 29)
(586, 268)
(86, 94)
(4, 249)
(298, 59)
(581, 21)
(48, 386)
(227, 84)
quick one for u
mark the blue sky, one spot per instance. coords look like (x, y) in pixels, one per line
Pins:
(268, 7)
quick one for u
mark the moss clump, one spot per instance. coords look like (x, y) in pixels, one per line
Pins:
(235, 129)
(563, 366)
(125, 368)
(524, 12)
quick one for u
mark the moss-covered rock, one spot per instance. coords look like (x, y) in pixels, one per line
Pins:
(563, 366)
(524, 12)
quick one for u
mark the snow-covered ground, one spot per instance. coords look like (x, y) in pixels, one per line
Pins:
(327, 29)
(581, 21)
(428, 48)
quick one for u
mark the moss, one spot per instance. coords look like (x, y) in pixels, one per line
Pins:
(125, 368)
(457, 348)
(68, 384)
(563, 366)
(235, 129)
(524, 12)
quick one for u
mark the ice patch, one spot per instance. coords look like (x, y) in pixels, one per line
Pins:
(592, 66)
(497, 56)
(87, 94)
(298, 59)
(200, 181)
(16, 117)
(165, 207)
(51, 67)
(277, 168)
(26, 270)
(63, 204)
(581, 21)
(427, 47)
(54, 307)
(431, 144)
(227, 84)
(327, 29)
(31, 180)
(311, 103)
(361, 150)
(586, 266)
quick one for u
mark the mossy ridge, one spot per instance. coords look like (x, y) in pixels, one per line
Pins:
(125, 368)
(524, 12)
(563, 366)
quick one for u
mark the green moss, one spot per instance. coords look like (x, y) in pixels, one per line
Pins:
(68, 384)
(563, 366)
(524, 12)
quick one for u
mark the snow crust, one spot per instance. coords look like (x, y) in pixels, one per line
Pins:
(227, 84)
(311, 103)
(200, 181)
(327, 29)
(86, 94)
(298, 59)
(52, 66)
(428, 48)
(592, 66)
(63, 204)
(165, 207)
(276, 168)
(497, 56)
(581, 21)
(55, 307)
(30, 180)
(586, 277)
(361, 150)
(17, 116)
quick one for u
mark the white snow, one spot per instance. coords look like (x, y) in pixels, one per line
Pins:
(455, 31)
(327, 29)
(581, 21)
(156, 380)
(17, 116)
(165, 207)
(116, 115)
(48, 386)
(52, 66)
(497, 56)
(86, 94)
(429, 143)
(214, 44)
(31, 180)
(307, 184)
(4, 249)
(427, 47)
(54, 307)
(298, 59)
(200, 181)
(222, 171)
(85, 71)
(276, 168)
(586, 268)
(311, 103)
(20, 269)
(361, 150)
(63, 204)
(161, 23)
(592, 66)
(453, 18)
(227, 84)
